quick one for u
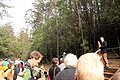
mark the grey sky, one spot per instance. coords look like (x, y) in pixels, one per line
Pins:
(18, 13)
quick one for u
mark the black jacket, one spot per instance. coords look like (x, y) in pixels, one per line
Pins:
(16, 71)
(53, 71)
(67, 74)
(103, 47)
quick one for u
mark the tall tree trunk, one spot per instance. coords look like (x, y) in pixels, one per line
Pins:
(58, 44)
(53, 3)
(92, 22)
(117, 37)
(79, 20)
(97, 18)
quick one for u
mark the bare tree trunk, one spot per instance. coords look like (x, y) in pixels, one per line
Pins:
(79, 21)
(57, 30)
(117, 37)
(57, 44)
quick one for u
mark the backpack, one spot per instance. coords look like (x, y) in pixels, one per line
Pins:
(28, 70)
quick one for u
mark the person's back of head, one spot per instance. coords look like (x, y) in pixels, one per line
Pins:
(70, 60)
(90, 67)
(55, 61)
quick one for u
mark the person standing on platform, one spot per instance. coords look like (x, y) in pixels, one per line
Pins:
(103, 47)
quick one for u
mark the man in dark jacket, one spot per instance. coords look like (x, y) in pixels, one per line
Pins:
(54, 69)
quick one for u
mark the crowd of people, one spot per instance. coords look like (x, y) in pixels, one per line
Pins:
(67, 68)
(22, 70)
(89, 66)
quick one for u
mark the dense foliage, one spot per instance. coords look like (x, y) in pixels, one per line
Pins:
(65, 26)
(72, 25)
(12, 46)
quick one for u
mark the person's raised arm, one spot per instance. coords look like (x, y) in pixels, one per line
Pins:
(99, 45)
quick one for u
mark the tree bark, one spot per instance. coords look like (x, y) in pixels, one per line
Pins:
(79, 21)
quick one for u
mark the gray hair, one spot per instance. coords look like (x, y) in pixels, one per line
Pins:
(70, 60)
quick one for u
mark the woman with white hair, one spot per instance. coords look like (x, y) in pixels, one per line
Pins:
(90, 67)
(69, 72)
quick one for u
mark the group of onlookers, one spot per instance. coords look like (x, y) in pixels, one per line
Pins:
(6, 69)
(67, 68)
(9, 69)
(88, 67)
(21, 70)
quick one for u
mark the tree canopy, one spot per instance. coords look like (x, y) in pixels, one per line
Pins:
(72, 26)
(3, 8)
(12, 46)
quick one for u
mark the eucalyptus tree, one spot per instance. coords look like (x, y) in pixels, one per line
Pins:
(11, 45)
(70, 25)
(110, 22)
(6, 37)
(24, 44)
(60, 27)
